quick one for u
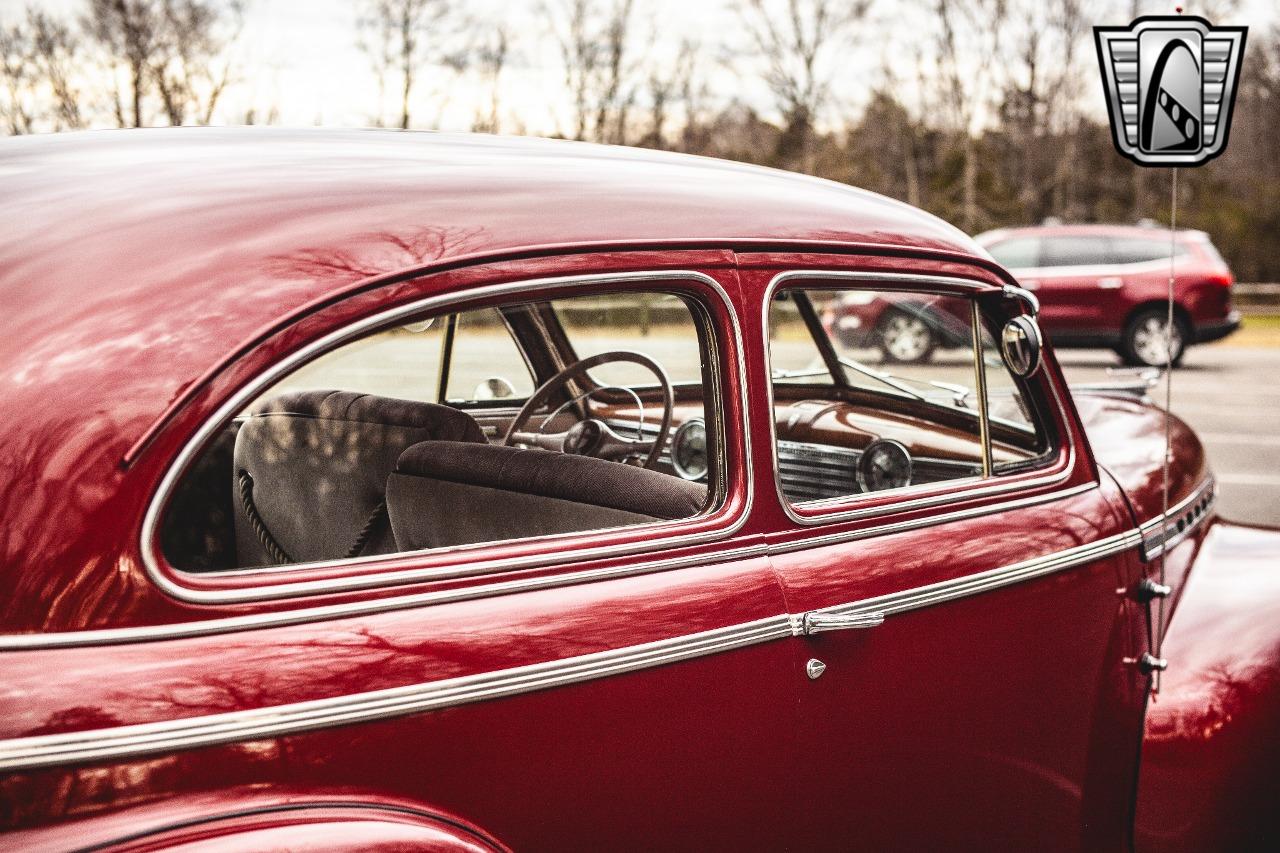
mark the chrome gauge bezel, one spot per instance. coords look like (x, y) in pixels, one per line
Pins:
(870, 452)
(680, 435)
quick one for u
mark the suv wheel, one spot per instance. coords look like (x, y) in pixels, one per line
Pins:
(1143, 342)
(905, 338)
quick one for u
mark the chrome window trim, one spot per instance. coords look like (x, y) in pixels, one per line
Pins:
(149, 537)
(132, 740)
(995, 485)
(304, 615)
(843, 536)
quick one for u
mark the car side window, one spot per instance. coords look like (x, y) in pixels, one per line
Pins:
(470, 356)
(1074, 251)
(485, 363)
(1134, 250)
(889, 397)
(374, 448)
(1017, 252)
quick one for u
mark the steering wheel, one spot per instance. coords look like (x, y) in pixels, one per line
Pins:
(594, 437)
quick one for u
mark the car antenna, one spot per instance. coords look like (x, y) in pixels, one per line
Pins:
(1168, 416)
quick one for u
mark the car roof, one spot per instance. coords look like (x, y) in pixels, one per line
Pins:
(142, 258)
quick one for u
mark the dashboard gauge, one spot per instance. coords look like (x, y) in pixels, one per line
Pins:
(885, 464)
(689, 450)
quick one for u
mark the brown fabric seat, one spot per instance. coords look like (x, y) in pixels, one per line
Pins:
(447, 493)
(317, 463)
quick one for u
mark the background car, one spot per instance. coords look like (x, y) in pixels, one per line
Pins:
(1106, 285)
(905, 327)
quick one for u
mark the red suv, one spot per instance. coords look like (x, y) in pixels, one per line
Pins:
(1105, 286)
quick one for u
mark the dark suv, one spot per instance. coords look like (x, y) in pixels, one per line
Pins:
(1105, 286)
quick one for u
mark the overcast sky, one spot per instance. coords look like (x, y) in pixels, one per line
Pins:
(299, 57)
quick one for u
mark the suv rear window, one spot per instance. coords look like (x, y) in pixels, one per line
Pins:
(1073, 251)
(1134, 250)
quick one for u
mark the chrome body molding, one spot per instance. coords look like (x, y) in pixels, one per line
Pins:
(1183, 519)
(366, 578)
(978, 486)
(148, 738)
(962, 587)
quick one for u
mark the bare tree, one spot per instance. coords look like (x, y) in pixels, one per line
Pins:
(191, 70)
(56, 53)
(127, 31)
(491, 58)
(599, 70)
(172, 48)
(794, 38)
(670, 86)
(403, 36)
(18, 69)
(968, 41)
(1040, 110)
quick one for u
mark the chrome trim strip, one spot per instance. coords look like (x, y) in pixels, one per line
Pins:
(949, 590)
(994, 488)
(142, 739)
(355, 581)
(980, 377)
(1181, 521)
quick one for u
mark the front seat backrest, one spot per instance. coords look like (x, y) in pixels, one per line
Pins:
(445, 493)
(311, 471)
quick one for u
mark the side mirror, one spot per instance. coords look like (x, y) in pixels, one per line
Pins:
(420, 326)
(494, 388)
(1021, 346)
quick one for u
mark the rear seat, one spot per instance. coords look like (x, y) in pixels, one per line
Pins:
(445, 493)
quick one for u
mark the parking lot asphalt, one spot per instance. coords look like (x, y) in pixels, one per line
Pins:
(1231, 397)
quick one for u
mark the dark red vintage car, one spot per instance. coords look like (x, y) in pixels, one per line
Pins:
(403, 491)
(1107, 285)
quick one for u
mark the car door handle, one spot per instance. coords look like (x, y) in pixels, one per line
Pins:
(815, 622)
(1111, 282)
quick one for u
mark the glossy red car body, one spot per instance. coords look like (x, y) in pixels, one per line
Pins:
(649, 695)
(1093, 281)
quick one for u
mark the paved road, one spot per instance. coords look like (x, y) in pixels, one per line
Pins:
(1231, 397)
